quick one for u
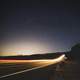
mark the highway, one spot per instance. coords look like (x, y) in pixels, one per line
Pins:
(23, 69)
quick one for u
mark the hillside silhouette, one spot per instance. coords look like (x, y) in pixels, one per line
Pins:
(35, 56)
(75, 52)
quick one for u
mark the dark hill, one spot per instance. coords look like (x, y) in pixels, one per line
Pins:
(75, 52)
(36, 56)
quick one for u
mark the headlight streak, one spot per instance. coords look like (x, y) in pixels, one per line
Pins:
(45, 63)
(56, 60)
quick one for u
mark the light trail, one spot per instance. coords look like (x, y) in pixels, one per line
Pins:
(46, 62)
(42, 60)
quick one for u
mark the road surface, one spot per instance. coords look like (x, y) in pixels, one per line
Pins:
(28, 69)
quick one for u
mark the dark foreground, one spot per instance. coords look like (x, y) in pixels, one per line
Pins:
(45, 73)
(68, 71)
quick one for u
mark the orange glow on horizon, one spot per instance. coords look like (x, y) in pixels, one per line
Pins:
(25, 48)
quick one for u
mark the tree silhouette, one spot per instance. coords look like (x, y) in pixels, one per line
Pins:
(75, 52)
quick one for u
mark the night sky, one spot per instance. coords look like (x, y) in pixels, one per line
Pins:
(31, 27)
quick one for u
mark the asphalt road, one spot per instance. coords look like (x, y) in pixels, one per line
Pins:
(69, 71)
(34, 74)
(39, 70)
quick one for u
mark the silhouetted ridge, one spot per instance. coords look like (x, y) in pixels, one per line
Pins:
(35, 56)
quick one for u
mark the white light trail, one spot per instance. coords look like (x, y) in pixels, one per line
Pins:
(47, 63)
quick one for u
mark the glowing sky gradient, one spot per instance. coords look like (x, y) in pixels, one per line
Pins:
(31, 27)
(25, 48)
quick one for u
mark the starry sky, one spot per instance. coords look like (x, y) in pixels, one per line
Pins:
(32, 27)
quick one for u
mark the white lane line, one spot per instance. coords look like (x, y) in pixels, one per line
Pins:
(23, 71)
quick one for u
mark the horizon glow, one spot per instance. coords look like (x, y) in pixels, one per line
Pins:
(25, 48)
